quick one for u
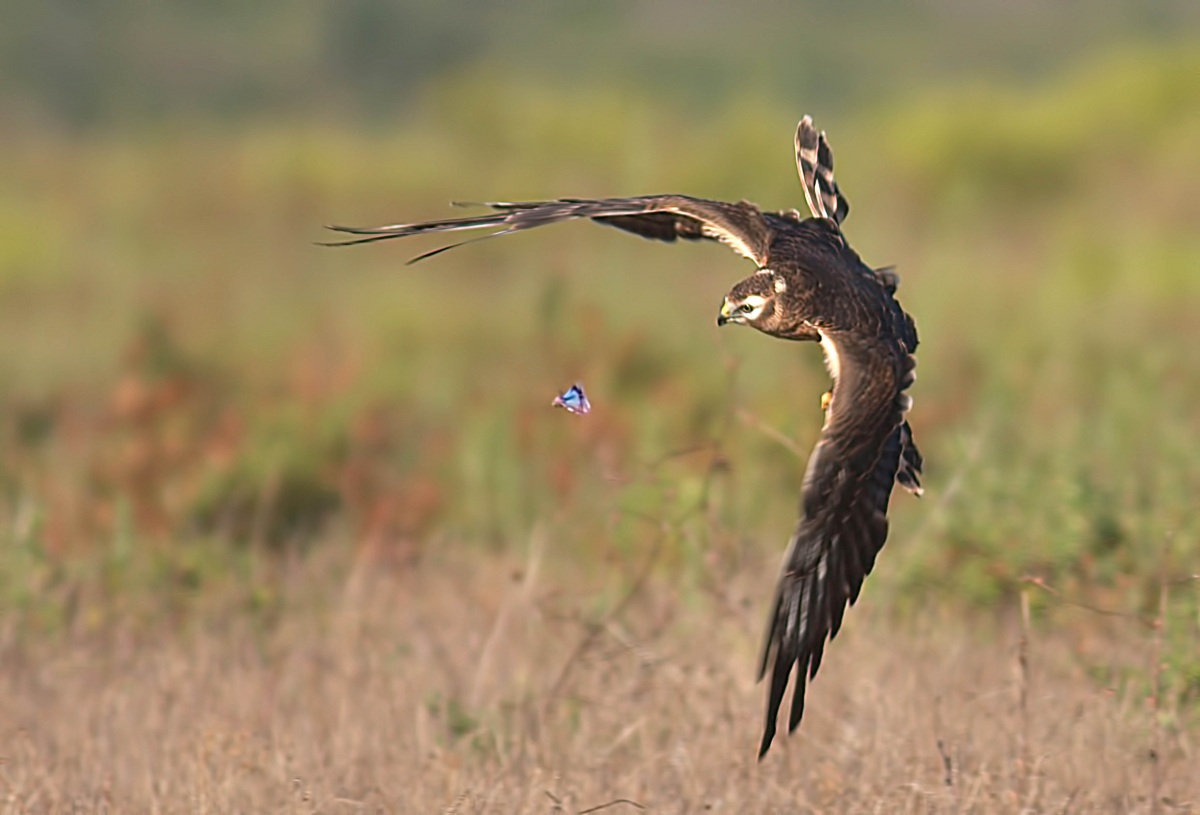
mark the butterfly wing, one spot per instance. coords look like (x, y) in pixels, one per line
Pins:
(574, 400)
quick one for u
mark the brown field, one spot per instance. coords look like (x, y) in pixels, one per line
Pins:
(482, 686)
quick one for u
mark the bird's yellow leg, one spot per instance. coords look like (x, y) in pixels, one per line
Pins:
(826, 398)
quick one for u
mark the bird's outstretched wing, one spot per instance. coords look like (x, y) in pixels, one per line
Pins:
(814, 160)
(843, 511)
(661, 217)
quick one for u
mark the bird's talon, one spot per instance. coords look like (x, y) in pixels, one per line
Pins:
(826, 398)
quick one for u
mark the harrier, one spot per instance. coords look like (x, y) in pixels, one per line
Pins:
(808, 284)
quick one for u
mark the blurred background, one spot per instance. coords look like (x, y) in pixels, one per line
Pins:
(194, 398)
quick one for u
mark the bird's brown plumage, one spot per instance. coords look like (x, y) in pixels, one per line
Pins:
(809, 285)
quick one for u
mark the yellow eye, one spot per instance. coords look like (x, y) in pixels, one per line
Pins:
(745, 308)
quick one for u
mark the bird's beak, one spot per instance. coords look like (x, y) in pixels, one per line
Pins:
(724, 315)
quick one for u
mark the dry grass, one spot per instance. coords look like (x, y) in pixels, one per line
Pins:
(494, 686)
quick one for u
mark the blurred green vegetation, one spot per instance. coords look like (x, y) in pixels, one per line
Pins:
(183, 375)
(123, 62)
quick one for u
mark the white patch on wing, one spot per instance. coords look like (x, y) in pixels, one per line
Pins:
(780, 285)
(831, 355)
(728, 238)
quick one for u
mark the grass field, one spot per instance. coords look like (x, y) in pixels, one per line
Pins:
(291, 529)
(494, 685)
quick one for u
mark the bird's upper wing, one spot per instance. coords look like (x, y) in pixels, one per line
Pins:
(843, 511)
(661, 217)
(814, 160)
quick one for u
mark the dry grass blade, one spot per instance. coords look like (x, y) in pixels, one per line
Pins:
(613, 803)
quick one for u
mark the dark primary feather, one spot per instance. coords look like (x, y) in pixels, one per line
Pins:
(661, 217)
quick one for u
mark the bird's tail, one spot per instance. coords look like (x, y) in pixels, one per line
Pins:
(814, 161)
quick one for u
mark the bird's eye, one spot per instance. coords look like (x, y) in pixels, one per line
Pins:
(745, 308)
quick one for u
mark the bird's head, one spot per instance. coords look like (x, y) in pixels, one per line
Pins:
(754, 301)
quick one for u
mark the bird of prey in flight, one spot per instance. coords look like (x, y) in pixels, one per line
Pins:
(808, 284)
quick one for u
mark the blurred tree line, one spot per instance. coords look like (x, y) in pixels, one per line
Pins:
(79, 64)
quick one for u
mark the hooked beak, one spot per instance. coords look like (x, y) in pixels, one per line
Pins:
(725, 315)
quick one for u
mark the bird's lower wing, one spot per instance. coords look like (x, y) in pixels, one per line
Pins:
(741, 226)
(843, 518)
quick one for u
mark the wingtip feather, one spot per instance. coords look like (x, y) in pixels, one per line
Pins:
(765, 745)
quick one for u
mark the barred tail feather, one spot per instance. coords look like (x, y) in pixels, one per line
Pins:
(814, 160)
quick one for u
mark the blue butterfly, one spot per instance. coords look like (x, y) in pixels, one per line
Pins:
(574, 400)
